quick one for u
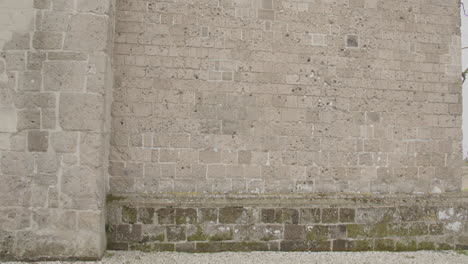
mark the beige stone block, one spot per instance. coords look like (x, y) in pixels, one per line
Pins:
(74, 108)
(17, 163)
(64, 76)
(46, 40)
(98, 7)
(87, 32)
(79, 188)
(64, 141)
(8, 119)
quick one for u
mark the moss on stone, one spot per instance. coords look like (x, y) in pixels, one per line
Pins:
(355, 230)
(129, 215)
(444, 246)
(406, 245)
(223, 236)
(426, 245)
(359, 245)
(384, 245)
(110, 198)
(318, 233)
(198, 236)
(149, 247)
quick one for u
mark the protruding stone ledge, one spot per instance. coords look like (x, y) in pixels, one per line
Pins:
(213, 223)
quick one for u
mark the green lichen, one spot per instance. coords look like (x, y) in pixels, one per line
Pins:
(108, 254)
(444, 246)
(129, 215)
(198, 236)
(268, 237)
(318, 233)
(181, 220)
(406, 245)
(462, 252)
(361, 245)
(222, 236)
(426, 245)
(355, 230)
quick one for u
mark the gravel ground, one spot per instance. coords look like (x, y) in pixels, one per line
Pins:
(420, 257)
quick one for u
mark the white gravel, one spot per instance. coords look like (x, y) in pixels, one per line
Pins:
(420, 257)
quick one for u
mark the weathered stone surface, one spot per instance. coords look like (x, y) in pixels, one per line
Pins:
(79, 188)
(90, 27)
(74, 108)
(265, 98)
(38, 141)
(66, 76)
(7, 119)
(64, 141)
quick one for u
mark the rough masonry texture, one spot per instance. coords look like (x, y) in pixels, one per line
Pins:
(55, 85)
(215, 125)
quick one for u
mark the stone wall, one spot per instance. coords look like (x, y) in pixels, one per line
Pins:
(54, 79)
(271, 103)
(271, 96)
(288, 223)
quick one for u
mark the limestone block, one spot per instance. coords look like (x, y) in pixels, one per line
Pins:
(48, 163)
(64, 141)
(47, 40)
(30, 81)
(15, 218)
(64, 76)
(17, 163)
(87, 32)
(63, 5)
(79, 188)
(91, 149)
(97, 7)
(8, 119)
(15, 191)
(38, 141)
(34, 100)
(55, 21)
(74, 108)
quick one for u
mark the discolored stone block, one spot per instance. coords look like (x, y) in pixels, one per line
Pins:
(146, 215)
(294, 232)
(339, 245)
(309, 215)
(352, 41)
(330, 215)
(38, 141)
(176, 233)
(128, 233)
(347, 215)
(129, 215)
(287, 216)
(209, 215)
(231, 215)
(268, 215)
(166, 216)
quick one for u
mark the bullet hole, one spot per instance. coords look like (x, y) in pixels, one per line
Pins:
(352, 41)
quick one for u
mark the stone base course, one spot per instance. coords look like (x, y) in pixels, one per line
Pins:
(193, 223)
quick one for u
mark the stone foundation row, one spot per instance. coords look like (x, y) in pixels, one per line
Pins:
(313, 223)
